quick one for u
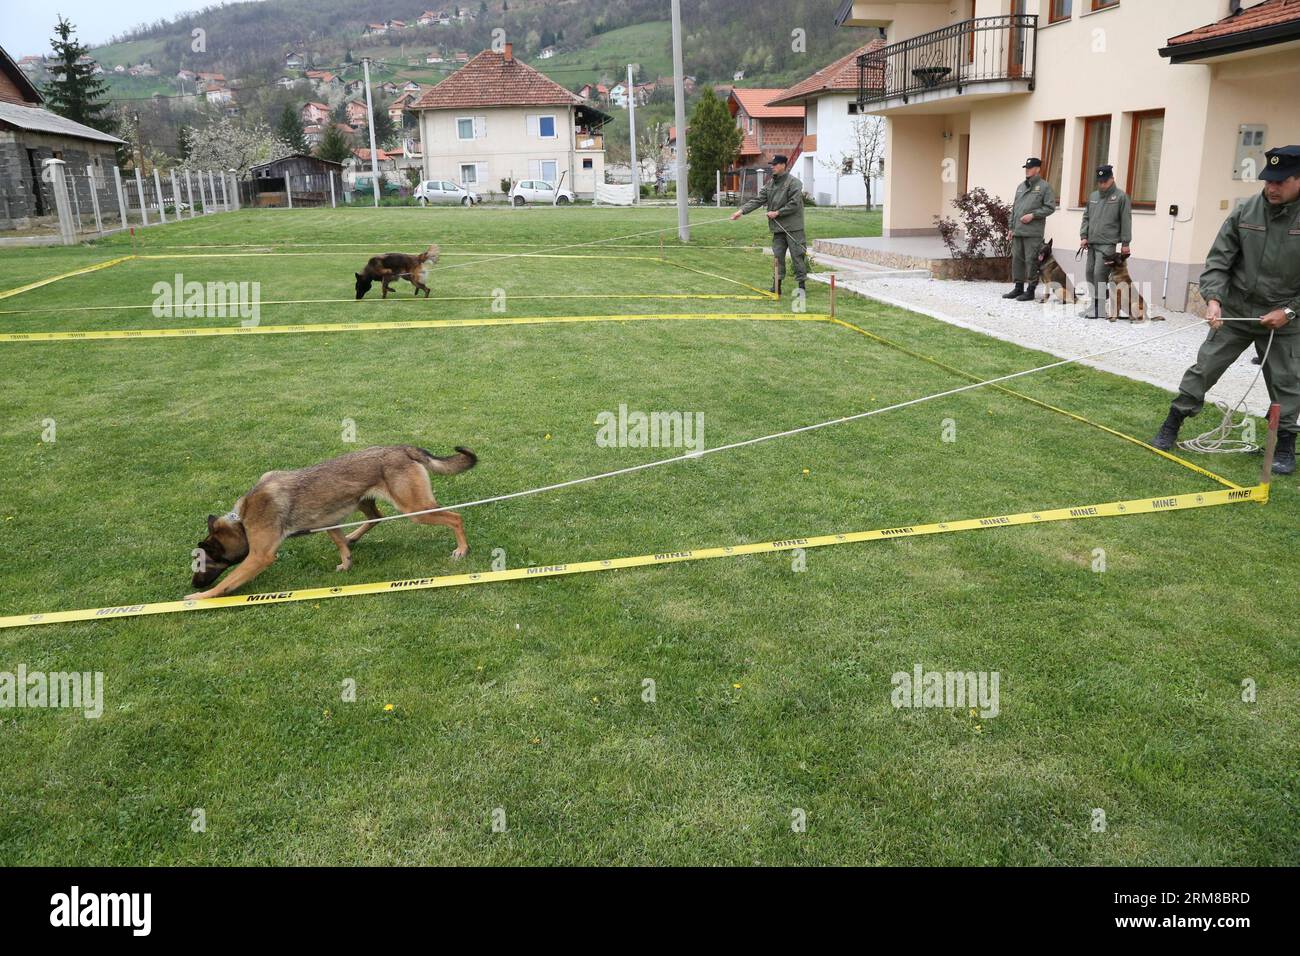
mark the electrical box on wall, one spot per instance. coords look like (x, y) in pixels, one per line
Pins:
(1250, 152)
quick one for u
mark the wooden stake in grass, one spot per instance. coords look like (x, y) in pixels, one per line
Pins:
(1270, 444)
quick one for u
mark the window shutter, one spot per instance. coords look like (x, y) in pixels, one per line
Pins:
(533, 120)
(480, 127)
(481, 172)
(534, 169)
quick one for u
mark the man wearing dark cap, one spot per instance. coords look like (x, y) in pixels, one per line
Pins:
(1251, 286)
(783, 197)
(1035, 201)
(1107, 222)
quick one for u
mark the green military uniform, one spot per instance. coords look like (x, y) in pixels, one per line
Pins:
(1035, 197)
(784, 194)
(1107, 223)
(1253, 269)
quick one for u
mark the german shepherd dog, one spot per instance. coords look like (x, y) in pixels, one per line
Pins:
(1052, 276)
(285, 504)
(1126, 291)
(396, 265)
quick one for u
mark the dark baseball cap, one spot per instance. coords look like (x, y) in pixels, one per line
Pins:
(1281, 163)
(780, 159)
(1033, 161)
(1106, 172)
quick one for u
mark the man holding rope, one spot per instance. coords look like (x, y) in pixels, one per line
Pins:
(1253, 270)
(783, 197)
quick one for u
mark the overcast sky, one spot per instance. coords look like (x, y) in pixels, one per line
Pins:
(28, 26)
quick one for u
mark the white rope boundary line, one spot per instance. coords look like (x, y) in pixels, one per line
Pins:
(754, 441)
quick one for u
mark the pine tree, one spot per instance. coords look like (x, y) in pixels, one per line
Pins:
(289, 129)
(712, 141)
(334, 146)
(75, 91)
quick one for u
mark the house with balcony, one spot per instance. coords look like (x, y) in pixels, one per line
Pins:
(1180, 96)
(498, 118)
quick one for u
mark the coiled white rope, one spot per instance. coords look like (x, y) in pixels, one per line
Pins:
(1221, 439)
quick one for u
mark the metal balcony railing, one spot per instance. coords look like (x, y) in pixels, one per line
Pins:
(985, 50)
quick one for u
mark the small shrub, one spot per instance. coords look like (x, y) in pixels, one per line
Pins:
(983, 225)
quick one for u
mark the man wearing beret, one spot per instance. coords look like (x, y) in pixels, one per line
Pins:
(1107, 222)
(1035, 201)
(783, 197)
(1251, 286)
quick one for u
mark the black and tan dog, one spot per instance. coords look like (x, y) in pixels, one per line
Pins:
(284, 504)
(1052, 276)
(1127, 292)
(396, 265)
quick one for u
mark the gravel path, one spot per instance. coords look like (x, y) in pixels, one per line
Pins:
(1057, 330)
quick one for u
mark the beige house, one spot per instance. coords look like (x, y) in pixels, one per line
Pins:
(1180, 96)
(497, 118)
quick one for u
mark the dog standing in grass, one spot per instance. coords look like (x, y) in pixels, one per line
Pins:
(396, 265)
(1052, 276)
(284, 504)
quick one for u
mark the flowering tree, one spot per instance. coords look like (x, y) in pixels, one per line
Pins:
(226, 144)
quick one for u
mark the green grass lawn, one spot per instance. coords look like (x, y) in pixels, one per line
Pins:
(1120, 691)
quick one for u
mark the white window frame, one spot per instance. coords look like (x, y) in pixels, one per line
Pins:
(472, 125)
(541, 166)
(555, 126)
(473, 178)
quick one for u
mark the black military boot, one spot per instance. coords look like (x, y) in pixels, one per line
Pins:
(1017, 292)
(802, 286)
(775, 288)
(1284, 456)
(1167, 437)
(1029, 294)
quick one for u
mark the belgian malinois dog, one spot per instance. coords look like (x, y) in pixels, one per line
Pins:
(396, 265)
(1052, 276)
(285, 504)
(1126, 291)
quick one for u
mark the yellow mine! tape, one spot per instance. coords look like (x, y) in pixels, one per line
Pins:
(112, 334)
(67, 275)
(1205, 499)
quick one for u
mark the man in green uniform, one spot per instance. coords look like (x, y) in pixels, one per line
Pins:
(1107, 222)
(783, 197)
(1035, 201)
(1252, 276)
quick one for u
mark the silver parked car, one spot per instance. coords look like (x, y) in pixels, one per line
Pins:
(445, 191)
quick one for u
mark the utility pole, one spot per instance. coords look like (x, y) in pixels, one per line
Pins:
(370, 113)
(631, 132)
(679, 114)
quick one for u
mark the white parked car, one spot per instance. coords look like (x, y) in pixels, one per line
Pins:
(538, 190)
(445, 191)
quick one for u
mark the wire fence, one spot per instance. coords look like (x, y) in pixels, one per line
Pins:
(77, 203)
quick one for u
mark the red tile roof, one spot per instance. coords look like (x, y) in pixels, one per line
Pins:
(755, 103)
(749, 146)
(840, 76)
(490, 80)
(1268, 14)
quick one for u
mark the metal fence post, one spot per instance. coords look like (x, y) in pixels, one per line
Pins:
(288, 189)
(144, 207)
(121, 196)
(94, 199)
(157, 185)
(189, 192)
(176, 196)
(333, 205)
(212, 190)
